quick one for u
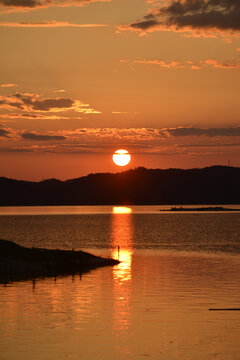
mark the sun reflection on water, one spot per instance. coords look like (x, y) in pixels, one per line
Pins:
(121, 210)
(122, 272)
(122, 249)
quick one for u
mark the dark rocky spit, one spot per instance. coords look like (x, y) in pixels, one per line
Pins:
(19, 263)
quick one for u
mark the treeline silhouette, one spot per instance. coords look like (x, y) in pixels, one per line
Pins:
(140, 186)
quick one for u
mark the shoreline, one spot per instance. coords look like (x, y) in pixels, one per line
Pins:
(18, 263)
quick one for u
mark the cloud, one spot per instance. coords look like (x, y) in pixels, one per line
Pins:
(210, 132)
(31, 116)
(220, 65)
(33, 136)
(14, 149)
(193, 65)
(133, 136)
(18, 5)
(34, 103)
(199, 16)
(160, 63)
(210, 145)
(120, 112)
(8, 85)
(112, 134)
(24, 3)
(48, 24)
(60, 91)
(148, 141)
(4, 133)
(44, 104)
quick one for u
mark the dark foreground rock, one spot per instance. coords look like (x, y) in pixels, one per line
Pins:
(21, 263)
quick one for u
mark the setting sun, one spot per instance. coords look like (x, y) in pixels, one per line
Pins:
(121, 157)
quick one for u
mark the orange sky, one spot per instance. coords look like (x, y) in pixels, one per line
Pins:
(80, 79)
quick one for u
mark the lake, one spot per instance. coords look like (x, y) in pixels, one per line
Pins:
(155, 304)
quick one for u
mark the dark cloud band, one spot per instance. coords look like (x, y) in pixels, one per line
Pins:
(210, 132)
(34, 103)
(198, 14)
(4, 133)
(32, 136)
(34, 4)
(24, 3)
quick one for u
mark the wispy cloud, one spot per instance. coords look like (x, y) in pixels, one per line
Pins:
(220, 65)
(15, 149)
(8, 85)
(20, 5)
(193, 65)
(210, 145)
(30, 116)
(127, 136)
(32, 136)
(60, 91)
(147, 141)
(48, 24)
(120, 112)
(198, 17)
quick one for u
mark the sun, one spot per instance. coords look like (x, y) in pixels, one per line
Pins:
(121, 157)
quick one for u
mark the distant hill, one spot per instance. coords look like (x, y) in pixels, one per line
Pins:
(140, 186)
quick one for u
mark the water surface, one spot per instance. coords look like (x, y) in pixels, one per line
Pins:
(153, 305)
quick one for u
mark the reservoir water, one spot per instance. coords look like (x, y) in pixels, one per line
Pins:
(155, 304)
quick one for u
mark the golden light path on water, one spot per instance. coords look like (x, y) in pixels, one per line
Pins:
(122, 249)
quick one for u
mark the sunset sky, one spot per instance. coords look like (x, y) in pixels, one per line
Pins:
(83, 78)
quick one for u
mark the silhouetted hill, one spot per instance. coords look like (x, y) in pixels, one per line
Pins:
(211, 185)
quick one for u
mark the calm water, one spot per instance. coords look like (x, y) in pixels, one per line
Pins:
(153, 305)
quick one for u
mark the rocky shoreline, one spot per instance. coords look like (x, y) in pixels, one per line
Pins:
(21, 263)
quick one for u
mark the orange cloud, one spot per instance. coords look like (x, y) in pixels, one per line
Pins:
(147, 141)
(31, 116)
(8, 85)
(221, 65)
(193, 65)
(48, 24)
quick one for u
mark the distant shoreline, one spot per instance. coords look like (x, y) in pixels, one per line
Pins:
(209, 208)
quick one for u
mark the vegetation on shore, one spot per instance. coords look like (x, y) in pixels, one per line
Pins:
(21, 263)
